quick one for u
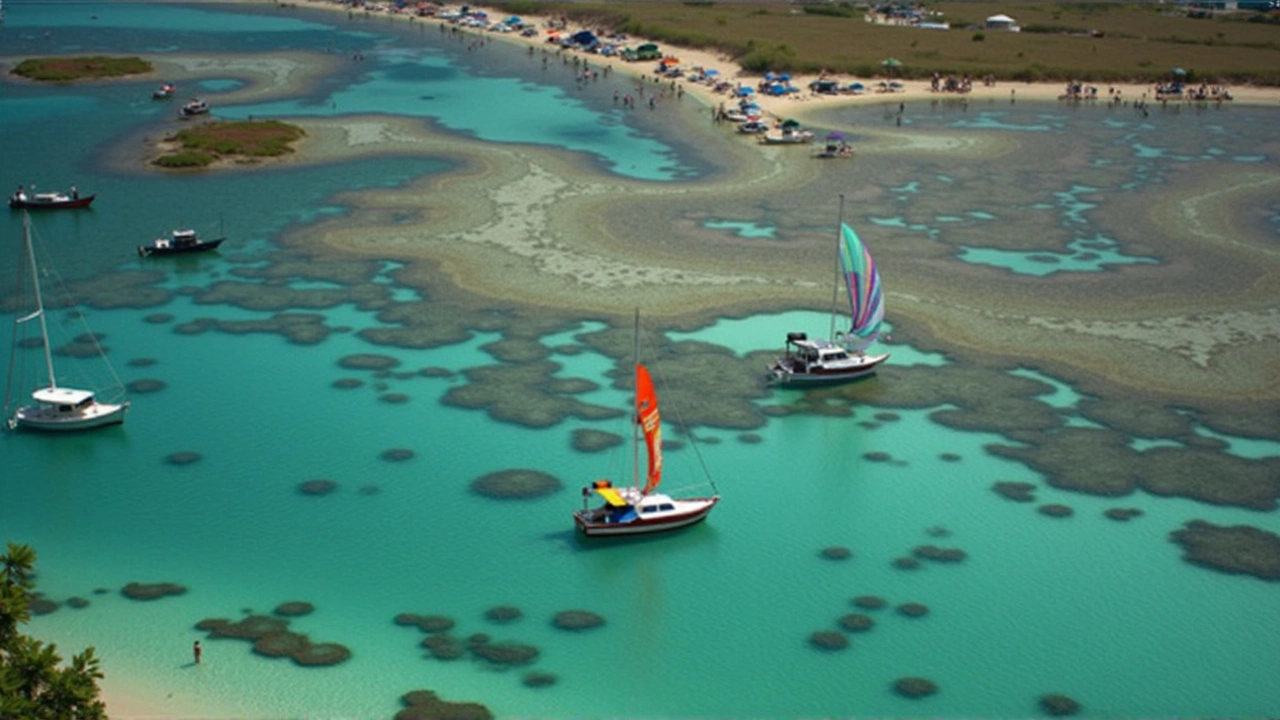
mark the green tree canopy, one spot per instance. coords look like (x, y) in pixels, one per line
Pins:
(34, 683)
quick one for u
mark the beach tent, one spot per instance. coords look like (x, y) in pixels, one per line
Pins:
(1002, 22)
(585, 38)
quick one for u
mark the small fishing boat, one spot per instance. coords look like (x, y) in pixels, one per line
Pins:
(753, 127)
(813, 361)
(179, 242)
(56, 408)
(49, 201)
(789, 133)
(164, 92)
(638, 510)
(194, 107)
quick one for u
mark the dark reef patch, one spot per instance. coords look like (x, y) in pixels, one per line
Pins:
(577, 620)
(1057, 705)
(516, 484)
(829, 640)
(393, 398)
(151, 591)
(317, 487)
(294, 608)
(346, 383)
(913, 610)
(158, 318)
(1122, 514)
(1023, 492)
(835, 552)
(907, 563)
(1114, 468)
(426, 705)
(368, 361)
(939, 554)
(869, 602)
(914, 687)
(183, 457)
(589, 441)
(396, 454)
(537, 679)
(503, 614)
(1236, 549)
(856, 622)
(426, 623)
(146, 385)
(1056, 510)
(142, 362)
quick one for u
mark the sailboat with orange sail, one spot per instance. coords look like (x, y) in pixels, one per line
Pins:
(637, 509)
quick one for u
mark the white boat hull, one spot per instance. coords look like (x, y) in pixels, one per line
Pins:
(691, 512)
(46, 419)
(788, 373)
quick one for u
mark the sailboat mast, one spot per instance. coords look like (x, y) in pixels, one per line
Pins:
(635, 399)
(35, 283)
(835, 287)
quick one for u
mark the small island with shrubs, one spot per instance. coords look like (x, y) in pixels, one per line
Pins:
(71, 69)
(244, 141)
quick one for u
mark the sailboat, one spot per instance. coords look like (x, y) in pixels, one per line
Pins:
(56, 408)
(637, 509)
(812, 361)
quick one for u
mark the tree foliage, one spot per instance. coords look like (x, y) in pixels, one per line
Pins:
(34, 682)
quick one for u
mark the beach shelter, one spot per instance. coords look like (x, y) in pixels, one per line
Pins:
(791, 124)
(891, 63)
(585, 38)
(1001, 22)
(835, 135)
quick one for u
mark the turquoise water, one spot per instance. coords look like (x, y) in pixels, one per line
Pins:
(714, 621)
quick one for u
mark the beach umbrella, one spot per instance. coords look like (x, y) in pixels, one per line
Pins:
(745, 91)
(790, 123)
(835, 135)
(891, 62)
(1179, 72)
(711, 72)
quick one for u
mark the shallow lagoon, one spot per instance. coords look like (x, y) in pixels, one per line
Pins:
(1103, 611)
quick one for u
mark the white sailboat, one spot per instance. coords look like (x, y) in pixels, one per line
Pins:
(56, 408)
(813, 361)
(638, 510)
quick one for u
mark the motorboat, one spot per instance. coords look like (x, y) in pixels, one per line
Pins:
(179, 242)
(194, 107)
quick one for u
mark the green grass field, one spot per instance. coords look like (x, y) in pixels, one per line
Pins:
(1098, 42)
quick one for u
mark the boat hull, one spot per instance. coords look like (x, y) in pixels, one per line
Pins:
(46, 420)
(646, 526)
(784, 373)
(202, 246)
(81, 202)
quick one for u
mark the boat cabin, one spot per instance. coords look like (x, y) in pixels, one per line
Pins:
(814, 353)
(62, 400)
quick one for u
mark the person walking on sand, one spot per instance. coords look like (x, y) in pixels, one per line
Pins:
(197, 650)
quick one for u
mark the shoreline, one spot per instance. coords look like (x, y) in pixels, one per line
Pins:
(805, 103)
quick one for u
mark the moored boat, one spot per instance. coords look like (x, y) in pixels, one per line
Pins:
(638, 510)
(194, 107)
(164, 92)
(180, 242)
(56, 408)
(813, 361)
(22, 199)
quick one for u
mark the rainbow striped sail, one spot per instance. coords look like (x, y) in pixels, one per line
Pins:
(866, 296)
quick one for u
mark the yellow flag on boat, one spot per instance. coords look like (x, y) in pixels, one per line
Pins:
(611, 496)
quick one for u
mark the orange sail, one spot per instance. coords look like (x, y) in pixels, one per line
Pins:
(647, 416)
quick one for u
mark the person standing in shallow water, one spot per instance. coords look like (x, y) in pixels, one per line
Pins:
(197, 650)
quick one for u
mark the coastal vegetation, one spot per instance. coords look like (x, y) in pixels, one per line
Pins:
(71, 69)
(1092, 42)
(240, 141)
(34, 682)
